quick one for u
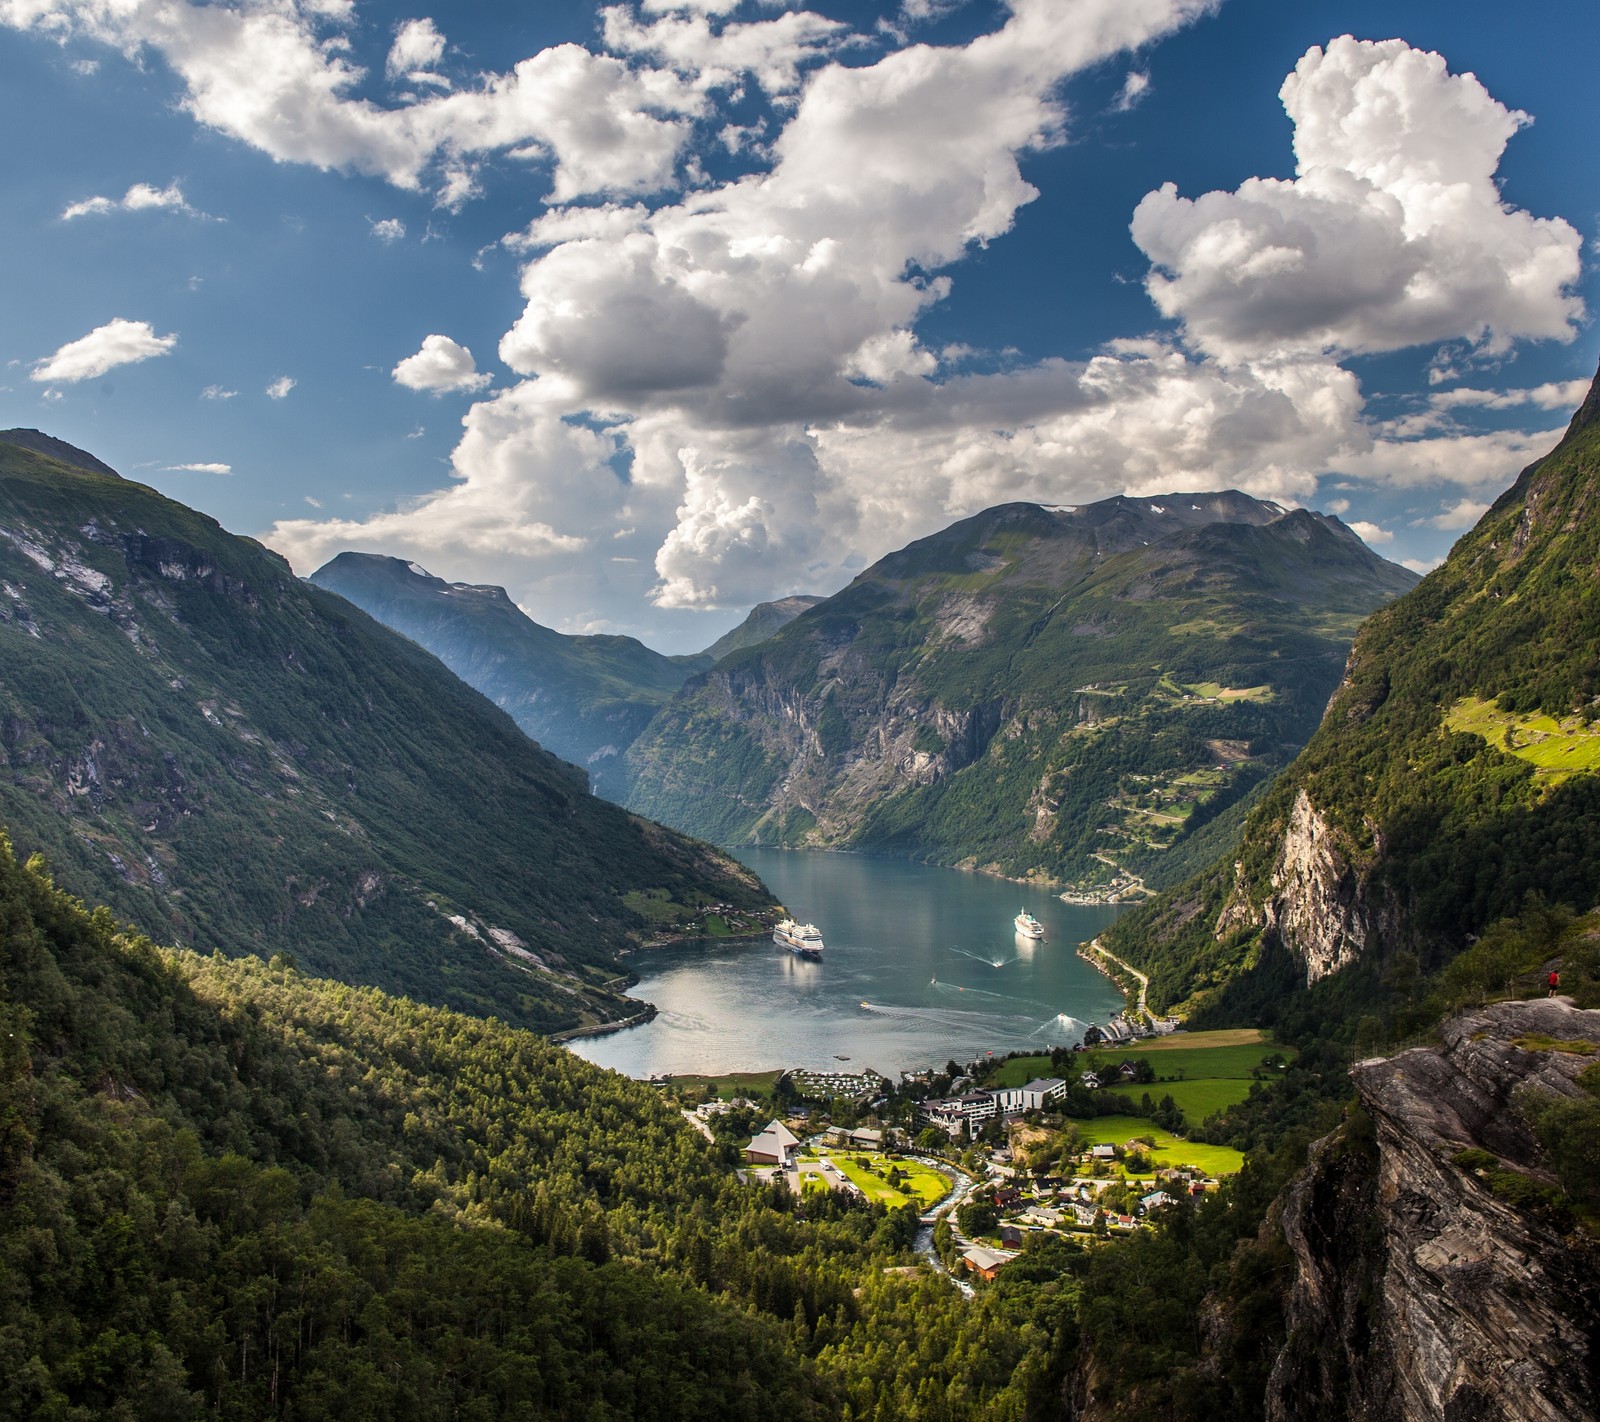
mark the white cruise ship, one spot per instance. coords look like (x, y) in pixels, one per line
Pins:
(1027, 925)
(800, 938)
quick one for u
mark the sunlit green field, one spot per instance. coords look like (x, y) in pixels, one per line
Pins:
(1555, 749)
(1170, 1150)
(926, 1186)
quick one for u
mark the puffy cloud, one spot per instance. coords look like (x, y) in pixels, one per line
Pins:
(1391, 234)
(417, 47)
(281, 387)
(1553, 395)
(200, 468)
(217, 392)
(141, 197)
(1370, 533)
(771, 50)
(270, 76)
(387, 229)
(439, 366)
(118, 342)
(521, 469)
(1462, 514)
(1475, 461)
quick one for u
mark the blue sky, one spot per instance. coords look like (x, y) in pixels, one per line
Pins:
(756, 292)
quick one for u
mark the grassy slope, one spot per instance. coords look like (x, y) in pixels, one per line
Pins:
(1170, 1150)
(234, 759)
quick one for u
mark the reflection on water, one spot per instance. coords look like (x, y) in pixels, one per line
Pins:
(921, 964)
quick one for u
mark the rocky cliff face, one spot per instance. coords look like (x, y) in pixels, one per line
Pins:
(1427, 1289)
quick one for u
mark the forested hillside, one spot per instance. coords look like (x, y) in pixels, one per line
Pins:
(1088, 695)
(584, 699)
(1454, 774)
(233, 1190)
(233, 759)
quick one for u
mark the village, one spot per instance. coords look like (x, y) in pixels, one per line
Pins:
(991, 1155)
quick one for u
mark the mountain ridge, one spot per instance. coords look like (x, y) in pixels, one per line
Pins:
(1058, 653)
(1463, 727)
(231, 757)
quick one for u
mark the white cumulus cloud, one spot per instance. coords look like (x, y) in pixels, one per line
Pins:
(1392, 233)
(439, 366)
(1553, 395)
(1462, 514)
(201, 468)
(418, 46)
(118, 342)
(388, 229)
(280, 387)
(141, 197)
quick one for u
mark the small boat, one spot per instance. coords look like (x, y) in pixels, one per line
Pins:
(1027, 925)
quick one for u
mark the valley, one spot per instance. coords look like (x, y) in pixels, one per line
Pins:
(276, 1131)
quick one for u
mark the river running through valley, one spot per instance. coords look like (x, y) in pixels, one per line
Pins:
(921, 965)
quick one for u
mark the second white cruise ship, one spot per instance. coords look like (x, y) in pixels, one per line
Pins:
(1027, 925)
(799, 938)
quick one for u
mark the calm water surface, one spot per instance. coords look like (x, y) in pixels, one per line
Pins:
(922, 964)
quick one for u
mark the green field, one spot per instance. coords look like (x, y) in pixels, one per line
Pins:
(1189, 1063)
(755, 1084)
(1019, 1070)
(1555, 749)
(1199, 1099)
(927, 1186)
(1217, 1037)
(1170, 1150)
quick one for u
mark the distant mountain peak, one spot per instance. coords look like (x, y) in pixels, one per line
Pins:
(41, 443)
(765, 620)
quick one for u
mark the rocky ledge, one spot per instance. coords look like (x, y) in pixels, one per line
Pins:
(1429, 1283)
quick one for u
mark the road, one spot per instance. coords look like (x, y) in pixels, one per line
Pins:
(1144, 982)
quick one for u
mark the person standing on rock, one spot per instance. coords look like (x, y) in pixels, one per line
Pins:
(1555, 982)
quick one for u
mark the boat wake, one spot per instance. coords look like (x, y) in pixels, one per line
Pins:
(979, 958)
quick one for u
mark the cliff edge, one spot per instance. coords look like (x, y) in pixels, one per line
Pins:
(1437, 1277)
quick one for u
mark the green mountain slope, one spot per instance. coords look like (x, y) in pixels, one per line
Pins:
(234, 759)
(766, 619)
(583, 698)
(1453, 775)
(1069, 693)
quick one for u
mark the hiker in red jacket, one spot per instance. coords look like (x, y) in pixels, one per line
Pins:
(1555, 982)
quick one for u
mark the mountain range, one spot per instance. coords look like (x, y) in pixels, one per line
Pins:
(233, 1189)
(1071, 694)
(584, 698)
(233, 758)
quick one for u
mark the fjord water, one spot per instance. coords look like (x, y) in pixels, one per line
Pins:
(922, 964)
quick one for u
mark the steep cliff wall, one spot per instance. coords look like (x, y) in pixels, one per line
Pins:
(1432, 1284)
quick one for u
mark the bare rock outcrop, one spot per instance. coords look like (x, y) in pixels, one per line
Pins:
(1423, 1293)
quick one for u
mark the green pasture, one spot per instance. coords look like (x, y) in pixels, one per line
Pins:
(754, 1084)
(1170, 1150)
(1555, 749)
(926, 1186)
(1179, 1064)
